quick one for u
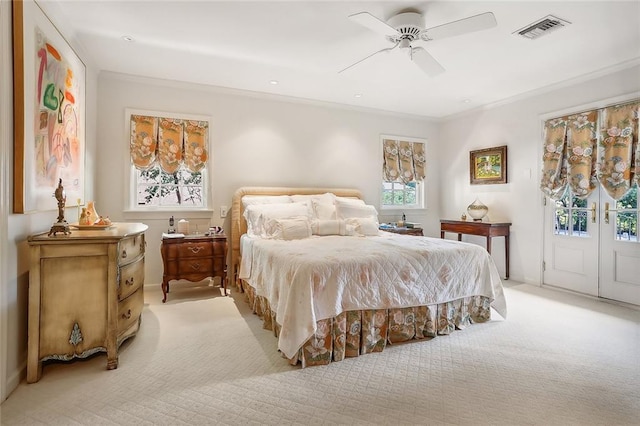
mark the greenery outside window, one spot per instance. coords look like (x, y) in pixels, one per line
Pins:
(159, 189)
(402, 196)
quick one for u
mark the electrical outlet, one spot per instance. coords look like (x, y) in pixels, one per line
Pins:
(223, 211)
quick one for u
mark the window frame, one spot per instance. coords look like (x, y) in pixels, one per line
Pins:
(421, 187)
(133, 210)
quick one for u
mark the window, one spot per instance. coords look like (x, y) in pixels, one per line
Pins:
(400, 195)
(571, 216)
(627, 214)
(403, 172)
(168, 154)
(157, 188)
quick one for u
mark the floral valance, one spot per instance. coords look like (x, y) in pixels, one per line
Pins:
(403, 161)
(170, 142)
(574, 156)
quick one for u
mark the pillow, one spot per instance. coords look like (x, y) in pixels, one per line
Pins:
(288, 229)
(366, 226)
(257, 214)
(349, 200)
(248, 200)
(326, 198)
(347, 209)
(323, 211)
(332, 227)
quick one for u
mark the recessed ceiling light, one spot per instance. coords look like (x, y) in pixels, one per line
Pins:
(358, 95)
(274, 82)
(466, 101)
(127, 38)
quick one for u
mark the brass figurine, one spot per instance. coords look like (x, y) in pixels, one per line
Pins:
(61, 225)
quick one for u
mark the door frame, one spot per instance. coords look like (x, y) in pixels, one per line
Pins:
(603, 103)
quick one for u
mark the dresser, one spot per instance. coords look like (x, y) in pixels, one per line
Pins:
(194, 258)
(85, 294)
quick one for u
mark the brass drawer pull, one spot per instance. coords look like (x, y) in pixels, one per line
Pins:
(129, 281)
(124, 254)
(127, 315)
(195, 266)
(196, 249)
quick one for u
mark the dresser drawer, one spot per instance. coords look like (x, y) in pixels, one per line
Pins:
(129, 310)
(130, 248)
(195, 266)
(190, 249)
(131, 278)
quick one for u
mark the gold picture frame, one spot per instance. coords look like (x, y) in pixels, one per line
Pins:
(49, 112)
(488, 166)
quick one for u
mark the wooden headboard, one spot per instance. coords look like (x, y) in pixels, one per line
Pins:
(239, 224)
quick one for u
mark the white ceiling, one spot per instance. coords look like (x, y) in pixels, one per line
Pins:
(303, 45)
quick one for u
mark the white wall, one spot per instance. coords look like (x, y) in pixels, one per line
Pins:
(519, 126)
(255, 141)
(15, 228)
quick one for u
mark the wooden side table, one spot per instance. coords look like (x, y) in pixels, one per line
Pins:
(403, 230)
(485, 229)
(194, 258)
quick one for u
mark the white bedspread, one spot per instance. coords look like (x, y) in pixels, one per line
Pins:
(320, 277)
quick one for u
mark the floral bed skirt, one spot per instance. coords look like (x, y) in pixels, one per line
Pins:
(355, 333)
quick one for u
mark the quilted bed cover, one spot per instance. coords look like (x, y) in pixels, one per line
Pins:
(320, 277)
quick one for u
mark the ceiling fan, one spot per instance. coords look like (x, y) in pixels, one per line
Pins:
(405, 30)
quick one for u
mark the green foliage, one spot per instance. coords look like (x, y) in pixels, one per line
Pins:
(179, 188)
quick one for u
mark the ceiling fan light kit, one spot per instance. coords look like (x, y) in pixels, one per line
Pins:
(407, 28)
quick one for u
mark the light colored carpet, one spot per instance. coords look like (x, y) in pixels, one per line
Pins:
(558, 359)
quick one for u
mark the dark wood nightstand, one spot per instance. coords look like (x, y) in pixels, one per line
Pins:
(403, 230)
(194, 258)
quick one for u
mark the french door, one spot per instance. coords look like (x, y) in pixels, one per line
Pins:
(592, 246)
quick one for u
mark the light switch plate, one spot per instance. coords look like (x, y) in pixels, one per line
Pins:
(223, 211)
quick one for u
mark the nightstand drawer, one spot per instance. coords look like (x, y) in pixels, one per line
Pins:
(195, 266)
(131, 278)
(190, 249)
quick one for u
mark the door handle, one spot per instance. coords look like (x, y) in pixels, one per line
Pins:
(593, 213)
(606, 212)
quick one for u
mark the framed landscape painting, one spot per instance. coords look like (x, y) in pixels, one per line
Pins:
(49, 112)
(488, 165)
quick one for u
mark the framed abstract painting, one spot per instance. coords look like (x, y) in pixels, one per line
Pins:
(49, 112)
(488, 165)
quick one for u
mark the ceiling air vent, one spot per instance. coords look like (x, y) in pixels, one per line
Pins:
(541, 27)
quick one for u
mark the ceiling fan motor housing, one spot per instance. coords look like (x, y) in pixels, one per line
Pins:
(408, 24)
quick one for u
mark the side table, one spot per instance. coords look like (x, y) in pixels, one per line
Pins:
(194, 258)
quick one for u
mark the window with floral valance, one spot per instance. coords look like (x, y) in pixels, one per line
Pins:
(403, 172)
(169, 156)
(584, 149)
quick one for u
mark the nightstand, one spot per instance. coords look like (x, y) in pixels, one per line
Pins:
(194, 258)
(403, 230)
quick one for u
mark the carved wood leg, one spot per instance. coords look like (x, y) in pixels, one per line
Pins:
(165, 290)
(112, 362)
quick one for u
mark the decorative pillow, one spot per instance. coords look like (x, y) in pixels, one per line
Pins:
(257, 214)
(332, 227)
(323, 211)
(349, 200)
(288, 229)
(365, 226)
(326, 198)
(347, 209)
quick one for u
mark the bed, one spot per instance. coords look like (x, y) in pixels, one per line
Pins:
(329, 292)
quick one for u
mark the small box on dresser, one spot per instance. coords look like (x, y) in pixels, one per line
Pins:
(85, 294)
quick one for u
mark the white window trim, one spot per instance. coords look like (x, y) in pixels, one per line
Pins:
(422, 194)
(133, 211)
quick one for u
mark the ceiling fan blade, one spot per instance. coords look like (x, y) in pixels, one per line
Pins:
(426, 62)
(467, 25)
(374, 24)
(374, 53)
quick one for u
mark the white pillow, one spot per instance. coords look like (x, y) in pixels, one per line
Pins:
(257, 214)
(248, 200)
(332, 227)
(326, 198)
(323, 211)
(347, 209)
(366, 226)
(349, 200)
(288, 229)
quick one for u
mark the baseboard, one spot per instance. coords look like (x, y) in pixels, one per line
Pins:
(153, 285)
(14, 379)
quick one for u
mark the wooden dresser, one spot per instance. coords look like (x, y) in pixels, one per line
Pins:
(85, 293)
(194, 258)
